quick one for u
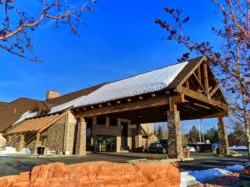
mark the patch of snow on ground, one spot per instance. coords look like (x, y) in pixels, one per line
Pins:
(207, 175)
(234, 168)
(199, 176)
(13, 151)
(238, 148)
(187, 180)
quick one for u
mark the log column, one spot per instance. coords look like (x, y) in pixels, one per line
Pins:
(36, 145)
(175, 148)
(118, 136)
(129, 139)
(21, 142)
(138, 137)
(223, 141)
(81, 137)
(9, 140)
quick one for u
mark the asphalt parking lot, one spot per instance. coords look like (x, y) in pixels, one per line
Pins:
(14, 165)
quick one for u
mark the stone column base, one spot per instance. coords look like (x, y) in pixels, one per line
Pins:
(223, 141)
(81, 138)
(175, 148)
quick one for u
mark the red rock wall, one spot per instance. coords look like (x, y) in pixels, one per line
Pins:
(97, 174)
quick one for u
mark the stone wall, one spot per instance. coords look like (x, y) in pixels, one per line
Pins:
(55, 136)
(15, 139)
(70, 131)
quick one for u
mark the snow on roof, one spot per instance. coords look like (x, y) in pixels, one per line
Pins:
(24, 116)
(137, 85)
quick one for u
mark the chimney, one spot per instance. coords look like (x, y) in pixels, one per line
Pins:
(51, 94)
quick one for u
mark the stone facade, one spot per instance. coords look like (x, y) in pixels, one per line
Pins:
(52, 138)
(175, 148)
(69, 133)
(223, 140)
(81, 137)
(63, 138)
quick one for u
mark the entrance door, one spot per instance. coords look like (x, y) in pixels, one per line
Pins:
(106, 143)
(89, 122)
(124, 136)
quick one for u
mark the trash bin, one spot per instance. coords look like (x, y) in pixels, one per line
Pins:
(40, 150)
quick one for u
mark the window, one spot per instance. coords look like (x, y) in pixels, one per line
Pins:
(113, 122)
(101, 120)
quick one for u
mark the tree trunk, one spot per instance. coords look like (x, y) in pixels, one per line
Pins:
(248, 143)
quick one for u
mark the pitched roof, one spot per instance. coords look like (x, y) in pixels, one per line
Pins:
(73, 95)
(3, 105)
(38, 124)
(149, 82)
(14, 110)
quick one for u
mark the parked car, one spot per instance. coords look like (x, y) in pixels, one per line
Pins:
(190, 148)
(202, 147)
(245, 176)
(160, 146)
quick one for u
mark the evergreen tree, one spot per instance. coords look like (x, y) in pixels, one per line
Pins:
(159, 133)
(212, 135)
(194, 135)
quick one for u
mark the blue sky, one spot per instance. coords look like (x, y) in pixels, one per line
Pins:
(119, 40)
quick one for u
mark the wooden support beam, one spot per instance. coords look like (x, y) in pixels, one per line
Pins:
(206, 78)
(137, 105)
(203, 106)
(38, 135)
(201, 97)
(219, 114)
(199, 73)
(9, 139)
(199, 82)
(187, 84)
(214, 90)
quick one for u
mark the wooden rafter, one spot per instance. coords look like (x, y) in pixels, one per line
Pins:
(187, 84)
(136, 105)
(199, 82)
(200, 97)
(191, 72)
(199, 72)
(214, 90)
(206, 83)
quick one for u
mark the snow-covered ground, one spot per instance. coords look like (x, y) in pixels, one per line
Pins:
(13, 151)
(193, 177)
(238, 148)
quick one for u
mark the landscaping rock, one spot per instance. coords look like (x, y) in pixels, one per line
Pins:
(97, 174)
